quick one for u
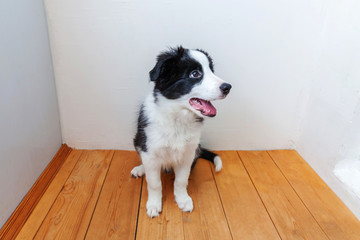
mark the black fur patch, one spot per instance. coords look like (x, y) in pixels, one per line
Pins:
(199, 119)
(203, 153)
(171, 73)
(140, 137)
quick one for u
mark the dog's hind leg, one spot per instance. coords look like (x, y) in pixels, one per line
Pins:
(210, 156)
(138, 171)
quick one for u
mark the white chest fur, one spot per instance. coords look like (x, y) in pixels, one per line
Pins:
(172, 130)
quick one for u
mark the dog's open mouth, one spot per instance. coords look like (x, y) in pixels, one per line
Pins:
(203, 106)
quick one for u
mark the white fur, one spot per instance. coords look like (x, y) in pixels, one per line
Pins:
(138, 171)
(173, 136)
(172, 139)
(217, 163)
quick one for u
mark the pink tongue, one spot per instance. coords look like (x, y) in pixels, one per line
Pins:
(206, 108)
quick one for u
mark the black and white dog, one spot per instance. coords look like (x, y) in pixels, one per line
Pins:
(170, 121)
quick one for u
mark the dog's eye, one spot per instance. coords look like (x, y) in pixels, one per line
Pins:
(195, 74)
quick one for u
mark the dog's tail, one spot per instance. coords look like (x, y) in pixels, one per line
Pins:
(208, 155)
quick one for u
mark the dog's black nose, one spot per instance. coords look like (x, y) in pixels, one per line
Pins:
(225, 88)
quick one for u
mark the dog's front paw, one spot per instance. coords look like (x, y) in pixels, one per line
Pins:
(138, 171)
(153, 207)
(185, 203)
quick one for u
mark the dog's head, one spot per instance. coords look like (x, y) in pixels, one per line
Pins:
(188, 76)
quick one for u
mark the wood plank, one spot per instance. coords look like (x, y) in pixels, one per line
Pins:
(34, 221)
(290, 216)
(27, 205)
(70, 215)
(207, 221)
(169, 224)
(116, 211)
(334, 217)
(246, 215)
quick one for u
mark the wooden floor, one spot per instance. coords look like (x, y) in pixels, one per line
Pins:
(257, 195)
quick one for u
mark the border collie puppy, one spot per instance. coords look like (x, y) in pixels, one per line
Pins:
(170, 121)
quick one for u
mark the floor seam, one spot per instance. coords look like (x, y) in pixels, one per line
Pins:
(222, 205)
(97, 200)
(297, 194)
(77, 161)
(237, 152)
(138, 213)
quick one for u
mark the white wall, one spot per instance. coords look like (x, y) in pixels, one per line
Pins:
(330, 131)
(103, 51)
(29, 121)
(292, 64)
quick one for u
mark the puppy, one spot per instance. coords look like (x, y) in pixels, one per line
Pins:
(170, 121)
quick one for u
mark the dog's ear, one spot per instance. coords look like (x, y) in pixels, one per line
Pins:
(155, 72)
(165, 59)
